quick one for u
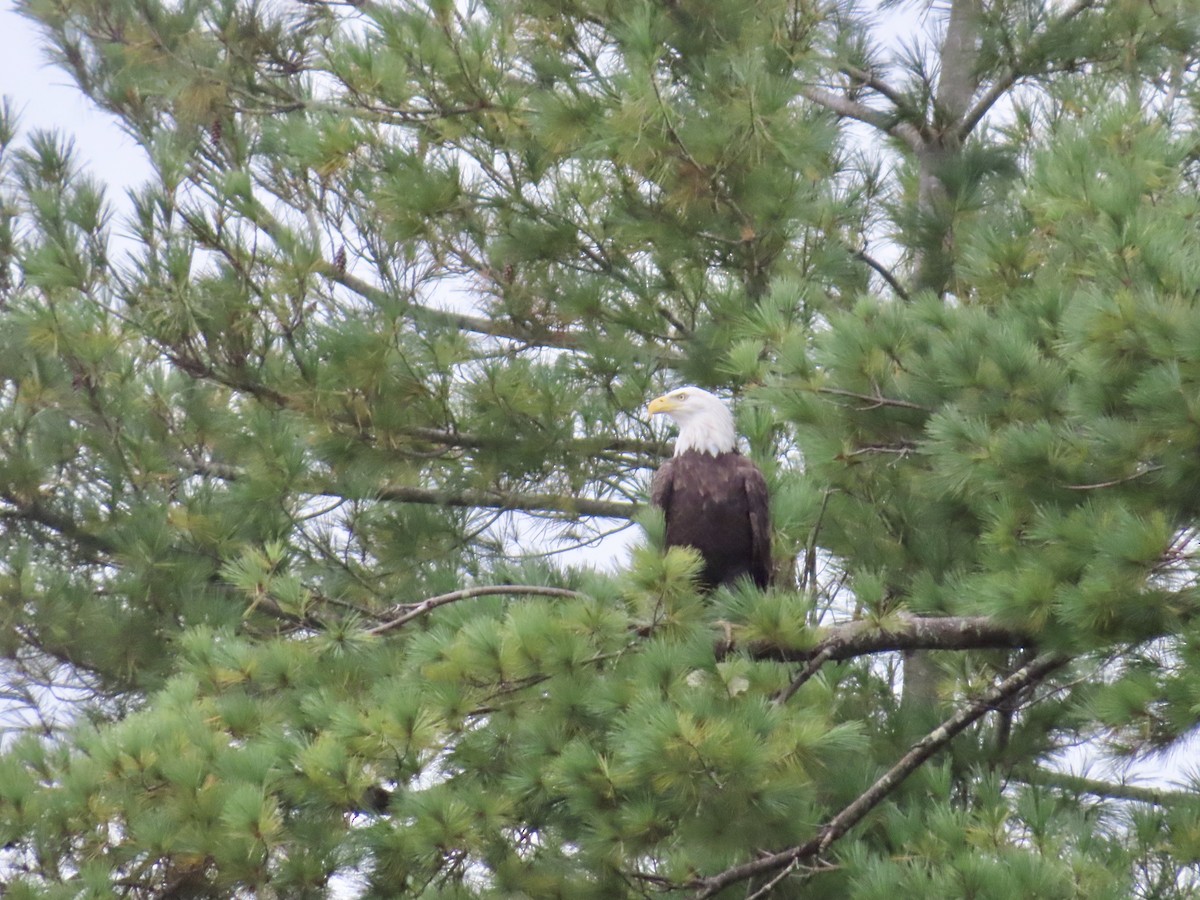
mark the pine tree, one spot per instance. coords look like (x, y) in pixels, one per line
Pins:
(287, 453)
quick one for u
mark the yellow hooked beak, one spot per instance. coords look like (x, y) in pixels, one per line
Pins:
(663, 404)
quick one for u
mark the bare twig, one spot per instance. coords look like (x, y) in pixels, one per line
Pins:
(411, 611)
(770, 885)
(964, 126)
(673, 320)
(884, 273)
(814, 666)
(901, 450)
(809, 576)
(875, 400)
(1116, 481)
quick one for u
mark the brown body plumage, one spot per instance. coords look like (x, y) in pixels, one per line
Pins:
(717, 504)
(713, 498)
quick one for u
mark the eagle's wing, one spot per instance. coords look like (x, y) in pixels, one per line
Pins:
(662, 486)
(758, 503)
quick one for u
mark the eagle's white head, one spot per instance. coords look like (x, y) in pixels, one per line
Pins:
(705, 422)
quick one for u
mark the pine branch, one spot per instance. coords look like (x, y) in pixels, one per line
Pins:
(410, 611)
(444, 436)
(238, 381)
(547, 503)
(661, 449)
(482, 499)
(36, 513)
(425, 315)
(1079, 784)
(869, 79)
(917, 755)
(428, 315)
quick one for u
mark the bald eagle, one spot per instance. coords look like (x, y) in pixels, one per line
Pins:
(713, 498)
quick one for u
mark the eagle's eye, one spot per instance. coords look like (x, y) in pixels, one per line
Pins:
(681, 395)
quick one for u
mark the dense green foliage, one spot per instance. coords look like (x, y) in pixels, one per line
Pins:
(376, 336)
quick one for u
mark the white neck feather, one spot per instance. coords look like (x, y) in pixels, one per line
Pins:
(711, 431)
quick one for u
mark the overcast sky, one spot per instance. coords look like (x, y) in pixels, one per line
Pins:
(46, 97)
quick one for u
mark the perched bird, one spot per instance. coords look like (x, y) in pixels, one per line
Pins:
(713, 498)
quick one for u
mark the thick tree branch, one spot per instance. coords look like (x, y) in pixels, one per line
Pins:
(971, 117)
(902, 631)
(959, 78)
(852, 109)
(853, 813)
(998, 88)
